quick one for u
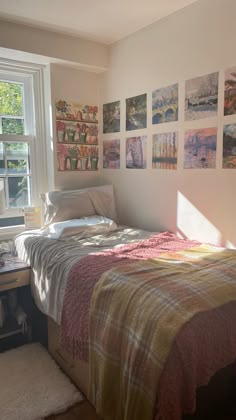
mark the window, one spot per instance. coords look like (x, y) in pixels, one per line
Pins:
(22, 141)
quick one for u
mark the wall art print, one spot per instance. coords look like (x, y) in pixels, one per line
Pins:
(165, 104)
(200, 148)
(164, 150)
(229, 146)
(201, 97)
(111, 154)
(77, 136)
(230, 92)
(136, 112)
(136, 152)
(111, 117)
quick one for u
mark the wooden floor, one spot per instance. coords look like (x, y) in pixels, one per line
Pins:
(84, 411)
(80, 411)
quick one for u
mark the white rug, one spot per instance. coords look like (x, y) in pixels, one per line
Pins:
(32, 386)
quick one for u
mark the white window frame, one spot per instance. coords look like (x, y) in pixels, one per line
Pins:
(35, 133)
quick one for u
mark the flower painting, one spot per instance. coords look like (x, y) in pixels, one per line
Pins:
(111, 154)
(136, 152)
(230, 92)
(164, 150)
(77, 136)
(111, 117)
(136, 112)
(229, 146)
(77, 157)
(165, 104)
(76, 111)
(201, 97)
(200, 148)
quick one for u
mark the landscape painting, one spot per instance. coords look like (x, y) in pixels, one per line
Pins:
(230, 92)
(165, 104)
(111, 154)
(200, 148)
(136, 152)
(201, 97)
(136, 112)
(111, 117)
(229, 146)
(164, 150)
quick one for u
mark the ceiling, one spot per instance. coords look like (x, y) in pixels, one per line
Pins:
(104, 21)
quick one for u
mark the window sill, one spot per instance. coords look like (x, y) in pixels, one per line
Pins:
(10, 231)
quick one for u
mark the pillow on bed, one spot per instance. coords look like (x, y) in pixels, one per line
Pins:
(74, 204)
(84, 227)
(66, 205)
(104, 201)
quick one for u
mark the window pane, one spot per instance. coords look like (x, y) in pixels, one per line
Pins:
(2, 195)
(2, 162)
(12, 126)
(17, 158)
(11, 99)
(19, 191)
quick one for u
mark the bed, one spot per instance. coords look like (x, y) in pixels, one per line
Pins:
(152, 310)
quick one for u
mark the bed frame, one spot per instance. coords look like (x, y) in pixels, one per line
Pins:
(77, 370)
(217, 396)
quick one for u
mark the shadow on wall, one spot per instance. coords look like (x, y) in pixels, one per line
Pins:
(192, 223)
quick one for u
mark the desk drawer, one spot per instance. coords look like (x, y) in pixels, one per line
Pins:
(14, 279)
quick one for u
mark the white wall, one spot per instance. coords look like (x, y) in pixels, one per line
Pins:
(78, 86)
(89, 55)
(195, 41)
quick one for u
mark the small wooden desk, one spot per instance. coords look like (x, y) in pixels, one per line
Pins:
(14, 274)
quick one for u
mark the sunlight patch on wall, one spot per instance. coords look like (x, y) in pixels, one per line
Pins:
(230, 245)
(193, 224)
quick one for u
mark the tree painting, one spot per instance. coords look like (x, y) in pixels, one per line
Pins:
(164, 150)
(136, 112)
(111, 117)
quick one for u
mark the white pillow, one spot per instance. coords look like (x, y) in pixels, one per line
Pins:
(84, 227)
(65, 205)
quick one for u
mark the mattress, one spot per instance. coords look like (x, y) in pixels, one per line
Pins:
(52, 259)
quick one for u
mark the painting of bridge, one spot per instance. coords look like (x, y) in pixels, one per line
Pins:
(164, 150)
(165, 104)
(201, 97)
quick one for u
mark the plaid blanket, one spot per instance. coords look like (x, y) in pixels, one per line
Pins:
(86, 273)
(137, 311)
